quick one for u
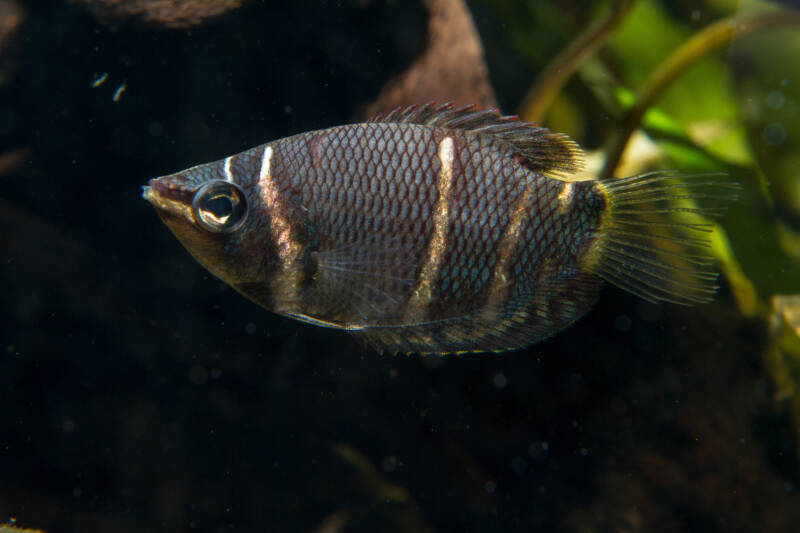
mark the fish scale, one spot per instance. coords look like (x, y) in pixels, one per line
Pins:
(429, 229)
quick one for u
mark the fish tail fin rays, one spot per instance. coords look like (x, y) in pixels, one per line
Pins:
(529, 316)
(654, 238)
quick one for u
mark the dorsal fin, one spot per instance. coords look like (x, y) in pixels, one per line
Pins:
(549, 153)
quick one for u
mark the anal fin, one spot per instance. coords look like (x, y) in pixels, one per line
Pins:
(530, 315)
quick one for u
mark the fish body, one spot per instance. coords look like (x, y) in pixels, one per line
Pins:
(429, 229)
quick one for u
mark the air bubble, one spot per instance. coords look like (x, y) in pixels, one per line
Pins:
(774, 133)
(539, 450)
(775, 100)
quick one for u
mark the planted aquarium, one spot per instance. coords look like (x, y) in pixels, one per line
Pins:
(447, 265)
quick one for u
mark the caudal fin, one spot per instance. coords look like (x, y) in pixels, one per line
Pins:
(654, 236)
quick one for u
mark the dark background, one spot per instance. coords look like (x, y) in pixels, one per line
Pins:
(138, 393)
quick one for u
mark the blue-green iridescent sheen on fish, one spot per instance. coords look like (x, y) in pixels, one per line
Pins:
(434, 229)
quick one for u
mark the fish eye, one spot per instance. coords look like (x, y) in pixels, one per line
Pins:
(219, 206)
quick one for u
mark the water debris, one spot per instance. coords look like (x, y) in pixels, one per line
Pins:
(100, 80)
(13, 528)
(12, 158)
(333, 523)
(11, 17)
(382, 488)
(118, 93)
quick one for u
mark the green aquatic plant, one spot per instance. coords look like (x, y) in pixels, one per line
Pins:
(680, 103)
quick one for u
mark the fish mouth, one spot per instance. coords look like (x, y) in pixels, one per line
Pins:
(167, 190)
(170, 196)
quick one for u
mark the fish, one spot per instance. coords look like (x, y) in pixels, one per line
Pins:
(436, 229)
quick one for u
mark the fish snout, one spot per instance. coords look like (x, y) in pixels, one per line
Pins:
(172, 188)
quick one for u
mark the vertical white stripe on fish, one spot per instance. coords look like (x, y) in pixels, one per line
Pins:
(501, 279)
(565, 197)
(432, 264)
(285, 284)
(227, 169)
(279, 226)
(266, 164)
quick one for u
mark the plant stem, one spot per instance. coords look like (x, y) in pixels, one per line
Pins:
(709, 39)
(541, 94)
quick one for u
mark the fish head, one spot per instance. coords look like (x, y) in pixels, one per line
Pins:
(211, 215)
